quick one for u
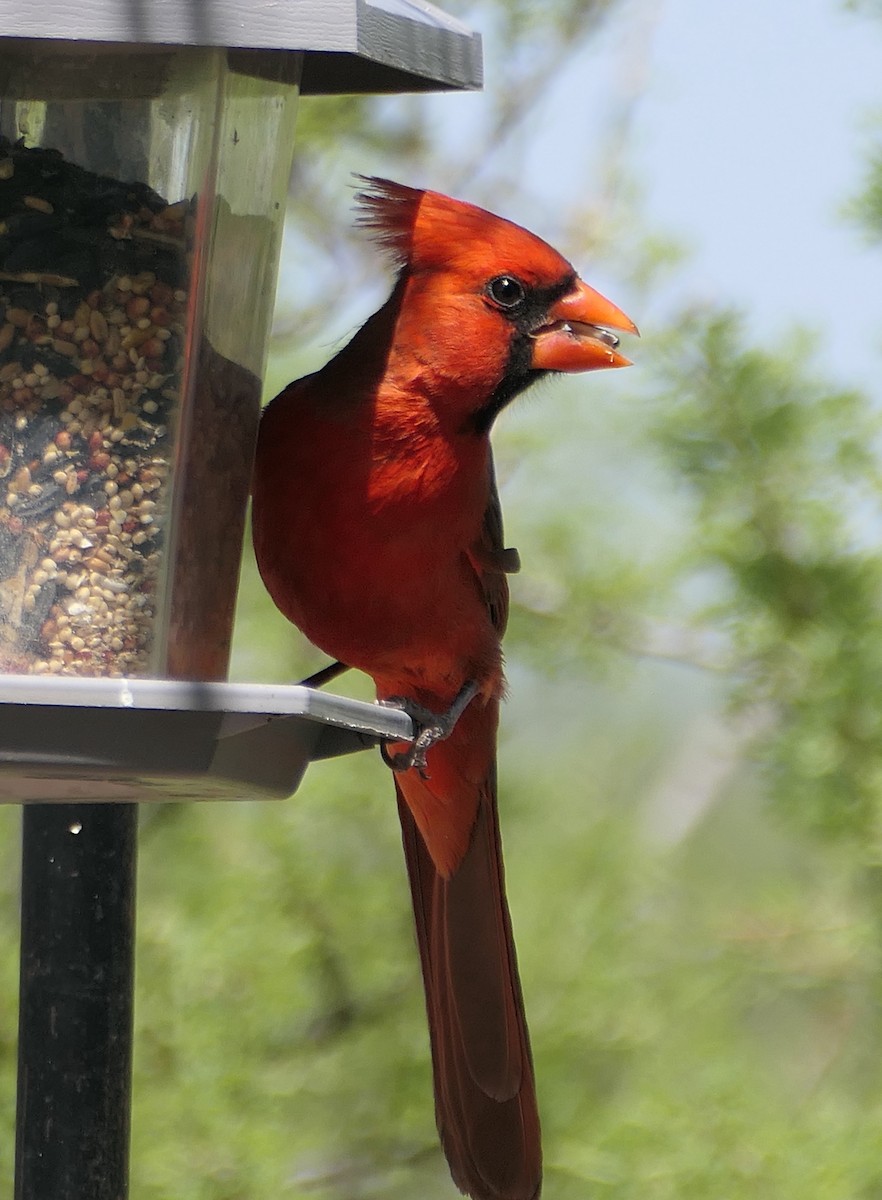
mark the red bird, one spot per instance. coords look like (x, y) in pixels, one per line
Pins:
(378, 532)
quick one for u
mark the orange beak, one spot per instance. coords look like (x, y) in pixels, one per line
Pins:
(577, 334)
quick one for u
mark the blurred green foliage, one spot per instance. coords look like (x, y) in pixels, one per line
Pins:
(867, 207)
(783, 469)
(690, 773)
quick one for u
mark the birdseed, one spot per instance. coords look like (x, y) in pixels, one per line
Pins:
(93, 299)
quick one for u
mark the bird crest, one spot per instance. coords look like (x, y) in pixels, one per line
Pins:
(389, 212)
(424, 230)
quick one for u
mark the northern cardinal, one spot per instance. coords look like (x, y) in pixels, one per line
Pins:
(378, 532)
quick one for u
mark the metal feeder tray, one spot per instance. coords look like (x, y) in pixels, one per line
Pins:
(75, 739)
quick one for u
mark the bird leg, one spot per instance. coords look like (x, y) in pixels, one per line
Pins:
(432, 727)
(325, 675)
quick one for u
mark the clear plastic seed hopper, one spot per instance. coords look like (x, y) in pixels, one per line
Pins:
(145, 152)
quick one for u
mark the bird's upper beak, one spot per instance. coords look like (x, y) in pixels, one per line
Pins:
(576, 335)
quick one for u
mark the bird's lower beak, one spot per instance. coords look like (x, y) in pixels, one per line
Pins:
(576, 335)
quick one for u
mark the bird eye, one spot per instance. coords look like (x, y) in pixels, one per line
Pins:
(506, 291)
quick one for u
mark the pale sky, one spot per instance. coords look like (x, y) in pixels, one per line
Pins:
(748, 142)
(751, 140)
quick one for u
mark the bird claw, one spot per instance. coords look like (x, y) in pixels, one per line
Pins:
(432, 727)
(415, 755)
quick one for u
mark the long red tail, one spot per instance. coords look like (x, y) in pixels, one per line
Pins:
(485, 1100)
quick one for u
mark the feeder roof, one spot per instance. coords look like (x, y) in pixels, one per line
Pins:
(352, 45)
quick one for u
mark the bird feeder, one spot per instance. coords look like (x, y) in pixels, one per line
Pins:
(145, 152)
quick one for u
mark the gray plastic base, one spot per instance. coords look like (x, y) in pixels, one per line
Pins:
(65, 738)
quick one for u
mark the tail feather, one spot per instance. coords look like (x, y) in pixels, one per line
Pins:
(485, 1101)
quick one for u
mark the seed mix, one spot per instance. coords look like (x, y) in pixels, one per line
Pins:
(93, 296)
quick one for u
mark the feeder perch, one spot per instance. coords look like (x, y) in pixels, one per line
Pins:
(130, 740)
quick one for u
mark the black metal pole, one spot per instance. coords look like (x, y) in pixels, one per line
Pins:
(75, 1016)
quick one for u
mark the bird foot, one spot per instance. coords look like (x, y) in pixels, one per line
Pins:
(432, 727)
